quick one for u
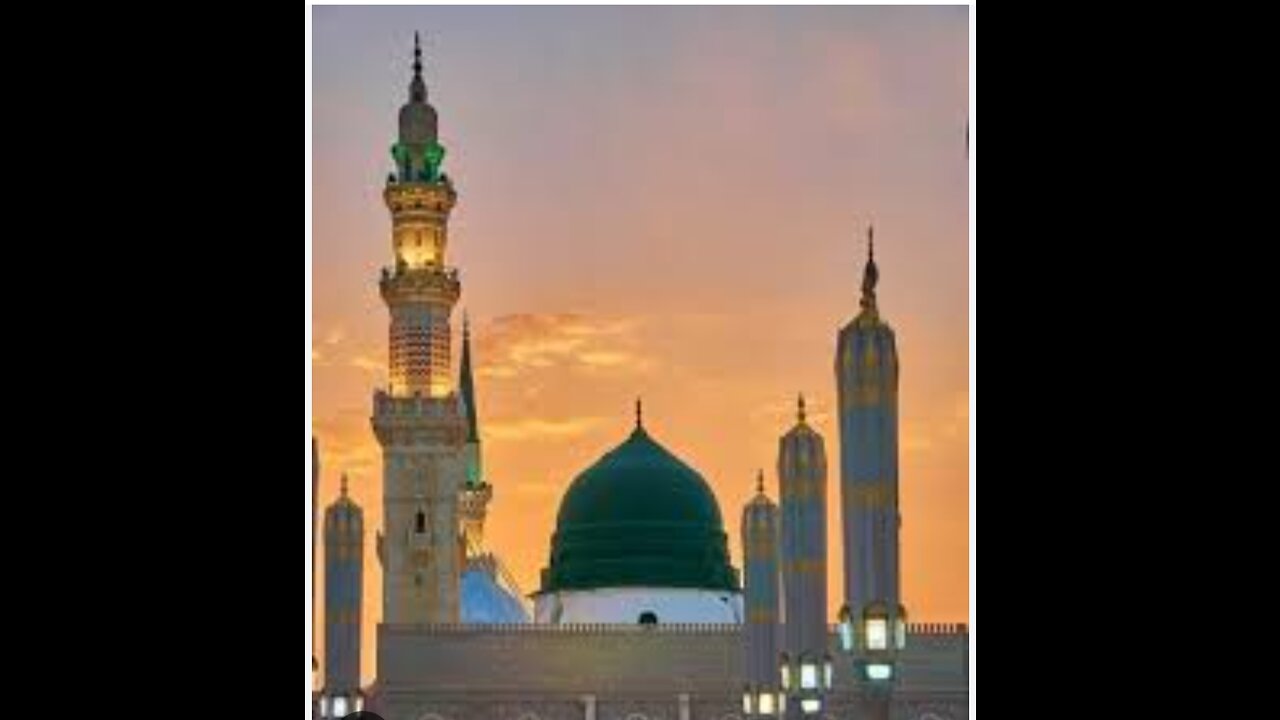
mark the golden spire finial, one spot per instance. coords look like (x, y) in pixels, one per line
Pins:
(344, 484)
(639, 415)
(760, 481)
(870, 273)
(801, 409)
(417, 55)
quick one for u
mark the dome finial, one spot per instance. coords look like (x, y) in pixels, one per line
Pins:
(417, 88)
(344, 484)
(800, 413)
(760, 482)
(417, 55)
(870, 273)
(639, 415)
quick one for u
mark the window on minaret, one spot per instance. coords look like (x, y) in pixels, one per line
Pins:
(420, 523)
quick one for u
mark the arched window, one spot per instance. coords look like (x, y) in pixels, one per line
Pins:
(420, 523)
(648, 617)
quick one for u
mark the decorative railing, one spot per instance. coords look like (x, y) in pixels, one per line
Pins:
(573, 629)
(913, 629)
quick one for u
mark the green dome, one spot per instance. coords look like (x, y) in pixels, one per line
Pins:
(639, 517)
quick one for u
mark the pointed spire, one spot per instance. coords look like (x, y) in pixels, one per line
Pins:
(417, 88)
(760, 482)
(467, 384)
(639, 415)
(800, 412)
(344, 485)
(417, 55)
(870, 273)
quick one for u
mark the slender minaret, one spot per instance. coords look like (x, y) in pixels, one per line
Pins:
(867, 380)
(802, 474)
(343, 578)
(476, 492)
(418, 418)
(315, 519)
(760, 526)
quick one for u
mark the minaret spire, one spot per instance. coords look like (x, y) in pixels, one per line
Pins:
(760, 482)
(344, 484)
(870, 273)
(467, 384)
(417, 87)
(800, 413)
(417, 55)
(639, 415)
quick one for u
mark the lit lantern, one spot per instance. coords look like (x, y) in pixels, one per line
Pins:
(876, 624)
(746, 701)
(846, 629)
(879, 672)
(784, 669)
(811, 706)
(766, 704)
(339, 707)
(828, 673)
(900, 628)
(808, 674)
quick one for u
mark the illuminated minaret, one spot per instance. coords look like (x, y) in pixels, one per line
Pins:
(761, 696)
(343, 582)
(476, 492)
(315, 506)
(418, 418)
(867, 379)
(315, 503)
(802, 476)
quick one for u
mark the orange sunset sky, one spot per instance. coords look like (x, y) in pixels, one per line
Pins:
(665, 202)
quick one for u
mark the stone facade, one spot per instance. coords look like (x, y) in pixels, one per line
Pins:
(604, 672)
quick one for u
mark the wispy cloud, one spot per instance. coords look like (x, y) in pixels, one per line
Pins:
(368, 364)
(515, 345)
(538, 428)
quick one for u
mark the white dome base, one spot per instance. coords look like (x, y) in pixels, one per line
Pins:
(627, 606)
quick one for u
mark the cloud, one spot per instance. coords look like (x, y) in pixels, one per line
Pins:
(368, 364)
(514, 345)
(335, 336)
(537, 428)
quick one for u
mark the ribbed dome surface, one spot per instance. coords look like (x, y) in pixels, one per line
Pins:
(639, 517)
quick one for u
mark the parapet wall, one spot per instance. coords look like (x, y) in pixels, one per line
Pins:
(703, 660)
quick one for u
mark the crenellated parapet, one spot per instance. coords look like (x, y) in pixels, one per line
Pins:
(418, 420)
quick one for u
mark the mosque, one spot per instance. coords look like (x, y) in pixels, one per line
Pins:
(640, 613)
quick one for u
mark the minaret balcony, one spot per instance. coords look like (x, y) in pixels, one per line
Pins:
(424, 284)
(436, 197)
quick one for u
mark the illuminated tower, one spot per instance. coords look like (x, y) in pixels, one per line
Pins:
(760, 564)
(343, 582)
(476, 492)
(315, 505)
(802, 475)
(867, 380)
(418, 419)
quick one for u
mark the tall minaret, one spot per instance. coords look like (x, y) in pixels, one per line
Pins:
(418, 419)
(343, 583)
(867, 379)
(315, 506)
(760, 567)
(802, 474)
(476, 493)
